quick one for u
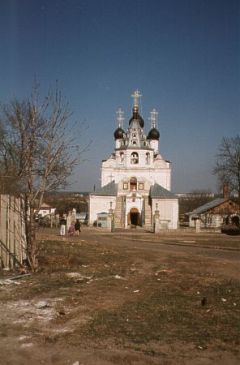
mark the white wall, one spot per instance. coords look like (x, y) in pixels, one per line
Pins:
(207, 220)
(98, 204)
(157, 171)
(168, 211)
(161, 176)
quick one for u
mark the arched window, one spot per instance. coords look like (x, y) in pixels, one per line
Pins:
(133, 183)
(121, 156)
(147, 158)
(134, 158)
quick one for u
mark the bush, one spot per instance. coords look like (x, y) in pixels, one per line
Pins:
(230, 229)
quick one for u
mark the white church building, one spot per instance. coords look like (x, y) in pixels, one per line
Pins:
(136, 179)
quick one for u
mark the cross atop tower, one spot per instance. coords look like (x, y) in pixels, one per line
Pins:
(120, 117)
(153, 118)
(136, 95)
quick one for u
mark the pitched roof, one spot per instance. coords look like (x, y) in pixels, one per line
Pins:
(45, 206)
(157, 191)
(205, 207)
(108, 190)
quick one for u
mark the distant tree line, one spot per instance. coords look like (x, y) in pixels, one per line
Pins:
(65, 202)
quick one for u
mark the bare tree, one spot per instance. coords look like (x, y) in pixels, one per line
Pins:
(193, 200)
(38, 151)
(227, 166)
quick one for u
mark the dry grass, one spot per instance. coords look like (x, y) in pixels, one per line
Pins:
(118, 298)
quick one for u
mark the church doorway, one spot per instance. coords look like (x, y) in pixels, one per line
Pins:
(134, 217)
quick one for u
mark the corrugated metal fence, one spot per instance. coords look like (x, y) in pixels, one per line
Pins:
(12, 232)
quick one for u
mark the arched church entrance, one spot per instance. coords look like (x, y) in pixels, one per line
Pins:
(134, 217)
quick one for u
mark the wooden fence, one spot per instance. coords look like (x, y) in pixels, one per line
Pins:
(12, 232)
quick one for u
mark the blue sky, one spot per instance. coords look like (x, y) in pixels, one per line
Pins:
(183, 55)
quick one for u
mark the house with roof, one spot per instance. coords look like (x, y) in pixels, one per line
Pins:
(45, 210)
(136, 179)
(215, 213)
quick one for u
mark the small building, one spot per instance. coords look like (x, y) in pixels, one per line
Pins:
(102, 219)
(215, 213)
(46, 209)
(82, 217)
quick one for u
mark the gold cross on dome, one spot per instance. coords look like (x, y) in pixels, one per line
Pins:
(136, 95)
(153, 118)
(120, 117)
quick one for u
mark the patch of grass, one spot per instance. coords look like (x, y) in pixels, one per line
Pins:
(57, 256)
(169, 314)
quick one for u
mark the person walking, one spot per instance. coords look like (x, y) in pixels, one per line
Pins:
(71, 229)
(62, 226)
(77, 227)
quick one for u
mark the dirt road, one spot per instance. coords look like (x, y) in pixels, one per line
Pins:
(125, 298)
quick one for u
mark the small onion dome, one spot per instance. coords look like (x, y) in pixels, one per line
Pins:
(119, 133)
(153, 134)
(136, 116)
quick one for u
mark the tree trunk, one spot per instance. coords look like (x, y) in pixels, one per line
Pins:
(32, 246)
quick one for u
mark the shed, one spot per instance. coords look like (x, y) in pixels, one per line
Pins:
(102, 219)
(215, 213)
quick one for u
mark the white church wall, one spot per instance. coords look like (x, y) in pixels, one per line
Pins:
(142, 161)
(168, 211)
(154, 144)
(99, 204)
(159, 176)
(162, 177)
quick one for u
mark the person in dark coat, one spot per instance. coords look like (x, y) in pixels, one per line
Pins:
(77, 227)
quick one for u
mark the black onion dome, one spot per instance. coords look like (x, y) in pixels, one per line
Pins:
(136, 116)
(153, 134)
(119, 133)
(141, 121)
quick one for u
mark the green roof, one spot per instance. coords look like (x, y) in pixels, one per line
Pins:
(157, 191)
(107, 190)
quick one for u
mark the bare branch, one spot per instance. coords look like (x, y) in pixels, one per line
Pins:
(227, 165)
(38, 148)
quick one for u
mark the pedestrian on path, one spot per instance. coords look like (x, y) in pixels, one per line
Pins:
(62, 226)
(77, 227)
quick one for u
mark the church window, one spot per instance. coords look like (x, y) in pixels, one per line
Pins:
(134, 158)
(133, 183)
(140, 186)
(134, 143)
(125, 186)
(121, 156)
(134, 135)
(147, 158)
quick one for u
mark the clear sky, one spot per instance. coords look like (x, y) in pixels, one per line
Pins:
(183, 55)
